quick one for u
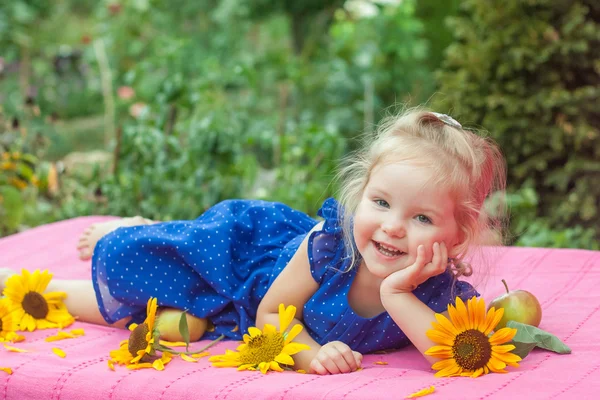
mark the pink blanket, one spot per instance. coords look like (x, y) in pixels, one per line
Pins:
(565, 281)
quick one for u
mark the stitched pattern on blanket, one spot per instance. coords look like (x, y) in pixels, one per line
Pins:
(565, 281)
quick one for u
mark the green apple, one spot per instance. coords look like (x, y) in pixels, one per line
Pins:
(519, 305)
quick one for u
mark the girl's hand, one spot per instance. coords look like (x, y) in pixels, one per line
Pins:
(407, 280)
(335, 358)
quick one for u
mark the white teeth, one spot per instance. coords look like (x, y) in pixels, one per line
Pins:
(387, 251)
(387, 248)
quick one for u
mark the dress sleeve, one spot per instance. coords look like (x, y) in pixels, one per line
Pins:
(326, 251)
(439, 291)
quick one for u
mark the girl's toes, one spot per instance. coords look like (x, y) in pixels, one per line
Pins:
(85, 253)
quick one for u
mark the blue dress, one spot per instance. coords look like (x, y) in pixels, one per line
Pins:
(220, 266)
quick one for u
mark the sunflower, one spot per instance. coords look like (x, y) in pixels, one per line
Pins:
(34, 309)
(267, 349)
(465, 343)
(8, 324)
(139, 350)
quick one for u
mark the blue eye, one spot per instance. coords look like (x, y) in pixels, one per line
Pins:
(424, 219)
(382, 203)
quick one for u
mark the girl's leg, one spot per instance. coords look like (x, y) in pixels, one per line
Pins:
(81, 303)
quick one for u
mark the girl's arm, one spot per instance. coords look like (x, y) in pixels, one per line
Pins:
(294, 286)
(414, 318)
(411, 315)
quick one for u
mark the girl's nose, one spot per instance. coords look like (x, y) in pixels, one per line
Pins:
(394, 227)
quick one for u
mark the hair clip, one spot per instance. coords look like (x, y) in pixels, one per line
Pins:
(448, 120)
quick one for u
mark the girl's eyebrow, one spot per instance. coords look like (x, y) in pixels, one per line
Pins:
(379, 191)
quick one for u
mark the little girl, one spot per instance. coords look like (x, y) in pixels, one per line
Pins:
(368, 277)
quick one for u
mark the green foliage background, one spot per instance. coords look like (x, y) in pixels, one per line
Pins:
(260, 98)
(530, 73)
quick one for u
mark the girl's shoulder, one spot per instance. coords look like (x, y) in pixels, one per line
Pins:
(326, 249)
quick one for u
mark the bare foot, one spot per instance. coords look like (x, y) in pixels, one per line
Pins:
(91, 235)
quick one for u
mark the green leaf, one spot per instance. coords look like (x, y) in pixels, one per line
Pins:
(528, 337)
(184, 331)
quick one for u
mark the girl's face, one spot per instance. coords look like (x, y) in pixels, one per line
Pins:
(399, 211)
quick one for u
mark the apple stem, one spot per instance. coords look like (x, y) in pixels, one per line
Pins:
(505, 285)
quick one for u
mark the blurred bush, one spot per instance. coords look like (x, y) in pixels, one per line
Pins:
(530, 73)
(191, 102)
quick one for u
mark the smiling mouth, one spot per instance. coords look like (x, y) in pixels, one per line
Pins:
(386, 251)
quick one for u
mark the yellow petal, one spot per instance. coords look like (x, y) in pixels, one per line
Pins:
(480, 314)
(421, 393)
(158, 365)
(507, 358)
(442, 320)
(139, 366)
(200, 355)
(55, 297)
(439, 351)
(15, 349)
(502, 336)
(495, 365)
(443, 364)
(293, 348)
(275, 366)
(172, 344)
(60, 335)
(188, 358)
(503, 348)
(286, 316)
(441, 329)
(59, 352)
(225, 364)
(235, 329)
(440, 337)
(253, 331)
(495, 318)
(380, 363)
(7, 370)
(264, 367)
(463, 314)
(269, 329)
(296, 329)
(14, 337)
(78, 332)
(111, 364)
(284, 359)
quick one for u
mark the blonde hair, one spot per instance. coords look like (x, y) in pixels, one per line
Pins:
(470, 165)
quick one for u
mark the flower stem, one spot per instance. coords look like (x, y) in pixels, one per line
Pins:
(189, 353)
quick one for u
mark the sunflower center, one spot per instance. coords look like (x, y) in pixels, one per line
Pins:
(137, 339)
(35, 305)
(262, 348)
(472, 349)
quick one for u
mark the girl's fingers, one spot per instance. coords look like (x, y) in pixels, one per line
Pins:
(420, 261)
(444, 254)
(329, 358)
(437, 254)
(357, 358)
(317, 368)
(348, 363)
